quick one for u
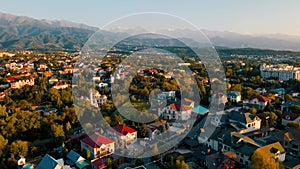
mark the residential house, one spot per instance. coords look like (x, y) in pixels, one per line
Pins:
(288, 117)
(219, 160)
(180, 110)
(285, 107)
(73, 158)
(279, 91)
(99, 163)
(52, 80)
(229, 134)
(155, 129)
(259, 102)
(14, 66)
(244, 122)
(274, 150)
(28, 166)
(20, 83)
(200, 110)
(234, 96)
(103, 85)
(96, 78)
(228, 139)
(21, 161)
(126, 134)
(48, 162)
(97, 145)
(97, 99)
(292, 142)
(60, 85)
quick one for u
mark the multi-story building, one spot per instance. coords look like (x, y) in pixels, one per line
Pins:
(97, 99)
(181, 110)
(124, 133)
(281, 72)
(97, 145)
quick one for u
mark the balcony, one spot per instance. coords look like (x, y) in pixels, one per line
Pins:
(102, 153)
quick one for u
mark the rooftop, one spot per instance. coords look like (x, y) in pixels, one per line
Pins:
(96, 140)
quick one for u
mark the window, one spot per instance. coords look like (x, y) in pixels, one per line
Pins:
(241, 160)
(242, 155)
(249, 125)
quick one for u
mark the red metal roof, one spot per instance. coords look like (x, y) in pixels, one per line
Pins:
(99, 163)
(96, 140)
(261, 98)
(180, 107)
(123, 130)
(9, 79)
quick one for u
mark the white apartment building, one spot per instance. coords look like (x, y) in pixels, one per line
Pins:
(282, 72)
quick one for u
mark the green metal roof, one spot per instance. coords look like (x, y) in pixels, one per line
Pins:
(82, 164)
(200, 110)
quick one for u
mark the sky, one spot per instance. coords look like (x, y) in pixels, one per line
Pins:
(241, 16)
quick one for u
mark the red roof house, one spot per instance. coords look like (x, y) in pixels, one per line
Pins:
(98, 145)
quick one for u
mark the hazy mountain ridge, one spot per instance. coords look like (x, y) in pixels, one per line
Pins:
(271, 41)
(21, 32)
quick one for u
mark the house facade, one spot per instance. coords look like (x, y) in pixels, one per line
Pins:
(288, 117)
(97, 99)
(234, 96)
(97, 145)
(180, 110)
(259, 102)
(126, 134)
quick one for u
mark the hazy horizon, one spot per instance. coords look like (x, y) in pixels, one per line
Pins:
(244, 17)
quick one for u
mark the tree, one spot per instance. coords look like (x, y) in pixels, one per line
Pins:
(66, 96)
(271, 117)
(261, 160)
(237, 87)
(288, 97)
(295, 109)
(24, 105)
(253, 111)
(3, 143)
(68, 127)
(139, 162)
(19, 147)
(3, 112)
(294, 124)
(57, 132)
(180, 163)
(54, 97)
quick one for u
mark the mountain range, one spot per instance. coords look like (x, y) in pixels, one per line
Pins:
(25, 33)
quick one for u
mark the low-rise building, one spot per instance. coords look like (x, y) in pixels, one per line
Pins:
(259, 102)
(97, 145)
(234, 96)
(20, 83)
(124, 133)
